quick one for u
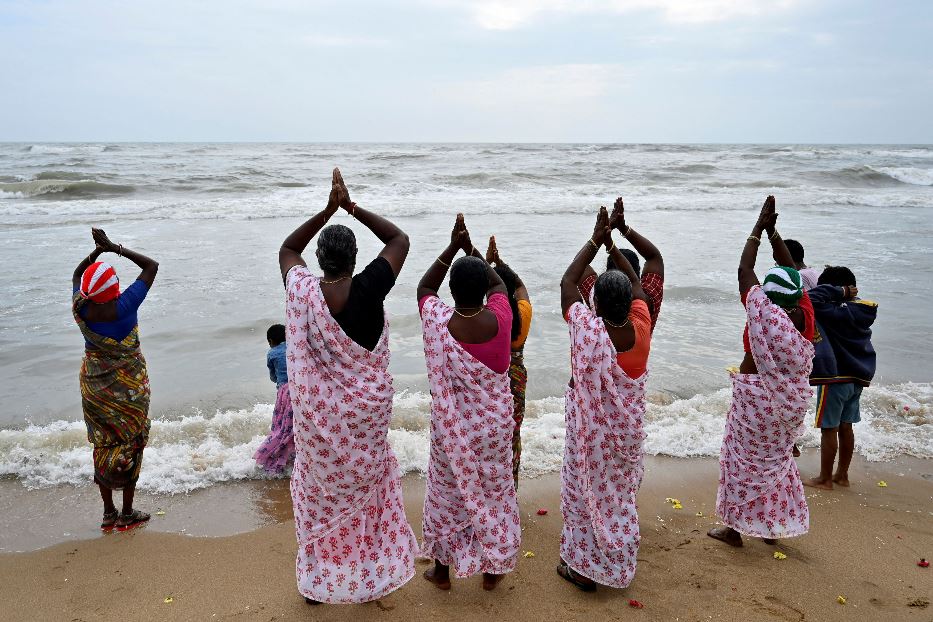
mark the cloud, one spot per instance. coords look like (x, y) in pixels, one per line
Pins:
(553, 86)
(512, 14)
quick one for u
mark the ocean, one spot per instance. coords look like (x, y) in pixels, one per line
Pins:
(214, 216)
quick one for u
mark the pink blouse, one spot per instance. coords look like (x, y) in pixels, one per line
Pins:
(496, 354)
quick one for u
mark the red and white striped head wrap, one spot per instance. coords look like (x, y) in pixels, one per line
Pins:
(99, 283)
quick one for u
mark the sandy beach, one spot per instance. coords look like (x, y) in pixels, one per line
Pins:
(864, 544)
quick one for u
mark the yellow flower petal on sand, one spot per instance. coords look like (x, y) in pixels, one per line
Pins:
(779, 555)
(160, 513)
(841, 599)
(882, 484)
(677, 506)
(528, 554)
(700, 514)
(169, 599)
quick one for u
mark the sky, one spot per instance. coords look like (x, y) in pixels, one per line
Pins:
(810, 71)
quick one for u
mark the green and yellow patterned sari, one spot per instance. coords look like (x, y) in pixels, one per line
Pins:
(115, 400)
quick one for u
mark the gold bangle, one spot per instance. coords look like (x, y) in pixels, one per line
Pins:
(612, 248)
(752, 237)
(440, 261)
(774, 235)
(628, 229)
(595, 245)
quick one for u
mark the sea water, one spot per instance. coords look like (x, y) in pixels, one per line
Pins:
(214, 216)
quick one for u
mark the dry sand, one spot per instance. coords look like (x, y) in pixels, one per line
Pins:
(864, 544)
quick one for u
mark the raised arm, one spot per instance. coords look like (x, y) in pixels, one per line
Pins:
(295, 244)
(779, 249)
(493, 259)
(654, 262)
(87, 261)
(395, 240)
(569, 290)
(767, 219)
(149, 267)
(430, 283)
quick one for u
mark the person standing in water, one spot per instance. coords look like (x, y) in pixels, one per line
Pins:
(521, 324)
(471, 519)
(760, 493)
(354, 541)
(114, 378)
(277, 452)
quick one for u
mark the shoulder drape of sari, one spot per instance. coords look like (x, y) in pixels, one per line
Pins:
(471, 516)
(115, 400)
(603, 456)
(760, 493)
(355, 542)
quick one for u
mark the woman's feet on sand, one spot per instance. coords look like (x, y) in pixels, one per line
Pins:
(131, 520)
(566, 573)
(490, 581)
(770, 541)
(841, 480)
(439, 576)
(109, 520)
(819, 482)
(726, 534)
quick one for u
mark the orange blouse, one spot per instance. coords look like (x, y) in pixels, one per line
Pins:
(634, 362)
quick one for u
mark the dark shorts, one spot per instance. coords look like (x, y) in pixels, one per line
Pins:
(836, 404)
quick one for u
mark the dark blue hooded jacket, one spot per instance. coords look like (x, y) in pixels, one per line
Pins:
(843, 350)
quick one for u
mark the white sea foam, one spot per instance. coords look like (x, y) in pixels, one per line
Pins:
(198, 451)
(908, 174)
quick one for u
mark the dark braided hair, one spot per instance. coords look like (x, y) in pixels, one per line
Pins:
(613, 294)
(510, 279)
(336, 249)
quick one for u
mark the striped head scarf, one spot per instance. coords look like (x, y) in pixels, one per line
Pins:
(783, 286)
(99, 283)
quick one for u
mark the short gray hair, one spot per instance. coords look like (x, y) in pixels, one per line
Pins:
(336, 249)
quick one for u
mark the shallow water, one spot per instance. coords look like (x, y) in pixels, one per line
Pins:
(214, 216)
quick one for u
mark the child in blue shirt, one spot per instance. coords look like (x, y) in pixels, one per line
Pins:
(277, 452)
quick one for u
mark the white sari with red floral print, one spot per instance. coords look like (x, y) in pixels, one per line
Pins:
(760, 492)
(354, 541)
(603, 456)
(471, 517)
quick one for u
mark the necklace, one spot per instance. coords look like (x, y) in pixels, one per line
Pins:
(457, 311)
(334, 281)
(622, 325)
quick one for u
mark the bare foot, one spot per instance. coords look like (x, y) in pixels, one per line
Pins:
(311, 601)
(727, 534)
(796, 451)
(769, 541)
(842, 480)
(440, 580)
(816, 482)
(490, 581)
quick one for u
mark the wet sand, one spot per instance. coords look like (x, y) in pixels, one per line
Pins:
(864, 544)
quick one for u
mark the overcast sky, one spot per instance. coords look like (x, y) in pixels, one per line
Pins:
(453, 70)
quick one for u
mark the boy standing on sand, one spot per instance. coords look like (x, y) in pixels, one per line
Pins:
(843, 363)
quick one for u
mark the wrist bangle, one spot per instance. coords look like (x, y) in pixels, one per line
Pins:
(755, 238)
(611, 248)
(121, 251)
(441, 261)
(628, 229)
(774, 235)
(595, 245)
